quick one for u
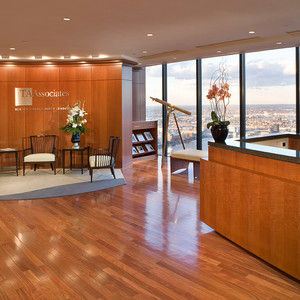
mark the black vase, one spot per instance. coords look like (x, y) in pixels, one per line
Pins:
(219, 133)
(75, 140)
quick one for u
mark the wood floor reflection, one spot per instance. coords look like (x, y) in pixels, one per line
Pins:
(143, 240)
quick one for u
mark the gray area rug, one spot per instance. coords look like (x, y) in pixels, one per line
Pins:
(43, 184)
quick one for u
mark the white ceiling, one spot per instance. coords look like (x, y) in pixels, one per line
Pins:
(181, 29)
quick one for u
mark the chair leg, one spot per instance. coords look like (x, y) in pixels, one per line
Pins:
(23, 169)
(34, 167)
(113, 172)
(91, 173)
(51, 166)
(54, 168)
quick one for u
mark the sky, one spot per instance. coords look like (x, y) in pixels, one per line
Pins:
(270, 78)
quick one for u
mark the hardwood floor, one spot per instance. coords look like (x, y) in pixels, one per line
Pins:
(143, 240)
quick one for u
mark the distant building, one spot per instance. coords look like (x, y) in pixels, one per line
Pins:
(274, 128)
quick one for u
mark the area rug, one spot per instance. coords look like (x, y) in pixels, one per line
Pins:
(43, 184)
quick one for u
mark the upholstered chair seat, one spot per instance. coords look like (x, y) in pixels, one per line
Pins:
(105, 158)
(39, 157)
(42, 150)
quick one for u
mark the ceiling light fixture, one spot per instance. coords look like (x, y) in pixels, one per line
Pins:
(66, 57)
(279, 43)
(219, 51)
(38, 57)
(251, 31)
(66, 19)
(12, 48)
(145, 52)
(5, 56)
(150, 34)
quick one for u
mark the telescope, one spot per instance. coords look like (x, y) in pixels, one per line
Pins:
(173, 107)
(170, 109)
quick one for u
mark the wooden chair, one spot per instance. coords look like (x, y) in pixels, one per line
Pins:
(105, 158)
(42, 150)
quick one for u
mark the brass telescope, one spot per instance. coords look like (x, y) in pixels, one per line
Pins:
(170, 108)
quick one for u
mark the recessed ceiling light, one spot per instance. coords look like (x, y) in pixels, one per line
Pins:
(219, 51)
(12, 48)
(251, 31)
(38, 57)
(145, 51)
(66, 57)
(150, 34)
(174, 58)
(103, 56)
(279, 43)
(67, 19)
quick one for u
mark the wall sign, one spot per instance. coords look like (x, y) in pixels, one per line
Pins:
(23, 96)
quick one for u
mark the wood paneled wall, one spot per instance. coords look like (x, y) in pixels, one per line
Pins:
(294, 144)
(105, 89)
(139, 94)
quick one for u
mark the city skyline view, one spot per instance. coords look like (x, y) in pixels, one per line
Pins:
(270, 95)
(261, 120)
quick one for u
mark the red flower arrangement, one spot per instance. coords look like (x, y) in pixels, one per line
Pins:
(219, 97)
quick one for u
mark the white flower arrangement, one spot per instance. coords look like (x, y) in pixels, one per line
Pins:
(76, 119)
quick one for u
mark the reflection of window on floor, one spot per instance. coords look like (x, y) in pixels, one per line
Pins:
(165, 217)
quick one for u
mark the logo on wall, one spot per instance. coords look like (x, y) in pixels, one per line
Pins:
(23, 96)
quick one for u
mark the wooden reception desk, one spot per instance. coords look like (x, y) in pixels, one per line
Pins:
(250, 193)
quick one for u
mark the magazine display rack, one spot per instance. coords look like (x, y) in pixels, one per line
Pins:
(144, 138)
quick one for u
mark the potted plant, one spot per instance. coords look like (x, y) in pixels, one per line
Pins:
(75, 123)
(219, 98)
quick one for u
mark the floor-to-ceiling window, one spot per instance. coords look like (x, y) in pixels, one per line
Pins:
(182, 93)
(270, 95)
(154, 109)
(211, 66)
(270, 92)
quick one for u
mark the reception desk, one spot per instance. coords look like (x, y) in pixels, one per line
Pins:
(250, 193)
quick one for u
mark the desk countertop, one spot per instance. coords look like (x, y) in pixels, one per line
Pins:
(248, 147)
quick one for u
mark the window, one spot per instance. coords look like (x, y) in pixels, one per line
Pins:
(270, 96)
(209, 66)
(270, 92)
(182, 93)
(154, 109)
